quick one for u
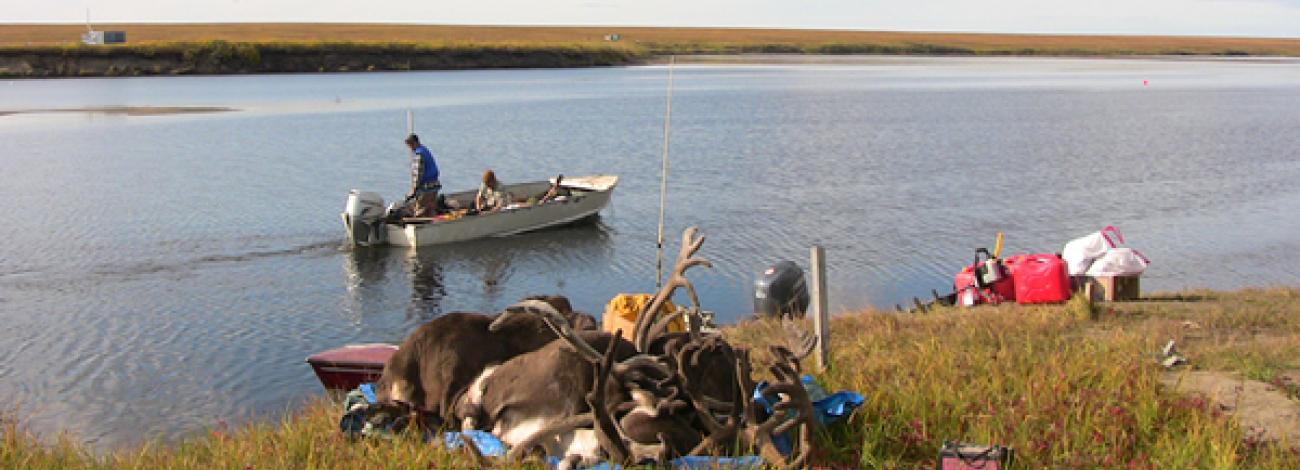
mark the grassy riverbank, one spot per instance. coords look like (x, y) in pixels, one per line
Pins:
(1067, 386)
(170, 49)
(223, 57)
(665, 40)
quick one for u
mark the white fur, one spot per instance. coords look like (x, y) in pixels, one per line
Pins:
(512, 435)
(474, 396)
(397, 392)
(580, 442)
(645, 403)
(475, 393)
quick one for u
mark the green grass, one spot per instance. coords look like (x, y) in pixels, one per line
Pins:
(1073, 386)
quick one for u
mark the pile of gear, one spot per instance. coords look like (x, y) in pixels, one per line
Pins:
(540, 380)
(1096, 259)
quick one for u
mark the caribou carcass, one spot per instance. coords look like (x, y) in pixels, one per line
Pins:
(654, 398)
(439, 360)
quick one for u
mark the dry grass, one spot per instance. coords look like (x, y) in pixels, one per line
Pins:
(661, 40)
(1068, 386)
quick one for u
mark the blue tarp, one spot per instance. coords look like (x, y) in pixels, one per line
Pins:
(829, 408)
(490, 446)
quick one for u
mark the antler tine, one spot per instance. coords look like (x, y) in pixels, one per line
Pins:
(555, 321)
(745, 385)
(660, 326)
(607, 431)
(719, 434)
(785, 365)
(793, 398)
(646, 318)
(801, 342)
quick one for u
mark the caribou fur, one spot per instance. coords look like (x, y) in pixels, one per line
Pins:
(437, 362)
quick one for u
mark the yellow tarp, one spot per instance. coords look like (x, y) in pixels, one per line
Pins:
(621, 312)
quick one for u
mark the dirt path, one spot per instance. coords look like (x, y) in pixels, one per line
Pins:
(1258, 407)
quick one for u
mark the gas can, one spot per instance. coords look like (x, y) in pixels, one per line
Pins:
(1039, 278)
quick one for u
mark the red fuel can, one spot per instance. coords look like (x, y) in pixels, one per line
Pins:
(1039, 278)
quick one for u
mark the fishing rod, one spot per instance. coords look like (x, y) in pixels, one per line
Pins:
(663, 177)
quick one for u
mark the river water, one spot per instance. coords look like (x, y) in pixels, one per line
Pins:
(162, 273)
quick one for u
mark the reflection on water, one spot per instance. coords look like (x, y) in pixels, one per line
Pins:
(495, 271)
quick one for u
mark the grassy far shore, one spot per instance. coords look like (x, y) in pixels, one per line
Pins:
(1068, 386)
(37, 51)
(662, 40)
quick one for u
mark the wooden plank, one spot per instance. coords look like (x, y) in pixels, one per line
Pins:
(821, 309)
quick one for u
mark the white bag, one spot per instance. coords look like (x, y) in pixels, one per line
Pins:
(1080, 252)
(1119, 262)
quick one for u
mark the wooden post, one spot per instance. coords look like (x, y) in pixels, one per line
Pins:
(821, 310)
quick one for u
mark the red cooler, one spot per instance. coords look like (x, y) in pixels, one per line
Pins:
(1039, 279)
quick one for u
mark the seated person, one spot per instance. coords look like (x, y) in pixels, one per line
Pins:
(490, 196)
(556, 189)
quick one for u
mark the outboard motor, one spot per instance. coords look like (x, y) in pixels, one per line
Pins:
(363, 218)
(781, 291)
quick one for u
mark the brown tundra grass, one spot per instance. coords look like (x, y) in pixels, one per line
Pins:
(665, 40)
(1067, 386)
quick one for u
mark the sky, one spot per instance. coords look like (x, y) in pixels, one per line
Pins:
(1261, 18)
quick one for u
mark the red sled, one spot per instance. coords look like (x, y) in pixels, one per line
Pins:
(1039, 278)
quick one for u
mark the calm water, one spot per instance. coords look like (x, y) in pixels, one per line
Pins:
(159, 273)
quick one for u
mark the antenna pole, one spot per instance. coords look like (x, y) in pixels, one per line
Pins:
(663, 178)
(410, 123)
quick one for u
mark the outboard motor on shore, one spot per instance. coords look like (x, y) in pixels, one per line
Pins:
(363, 218)
(781, 291)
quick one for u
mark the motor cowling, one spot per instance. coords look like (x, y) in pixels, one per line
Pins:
(362, 216)
(781, 291)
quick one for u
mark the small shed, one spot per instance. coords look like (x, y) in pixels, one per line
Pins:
(92, 37)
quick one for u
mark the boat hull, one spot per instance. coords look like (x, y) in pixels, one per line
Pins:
(346, 368)
(589, 195)
(499, 224)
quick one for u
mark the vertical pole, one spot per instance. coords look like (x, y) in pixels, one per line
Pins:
(663, 176)
(821, 311)
(410, 122)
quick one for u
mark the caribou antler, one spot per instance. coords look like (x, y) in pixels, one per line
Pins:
(793, 398)
(646, 319)
(719, 434)
(801, 342)
(607, 431)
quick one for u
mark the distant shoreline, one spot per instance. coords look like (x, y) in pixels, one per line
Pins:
(44, 51)
(226, 58)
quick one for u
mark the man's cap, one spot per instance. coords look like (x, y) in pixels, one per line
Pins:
(412, 139)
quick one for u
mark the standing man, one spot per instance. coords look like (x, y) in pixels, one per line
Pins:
(424, 178)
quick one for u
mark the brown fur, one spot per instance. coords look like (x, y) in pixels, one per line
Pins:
(551, 382)
(442, 357)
